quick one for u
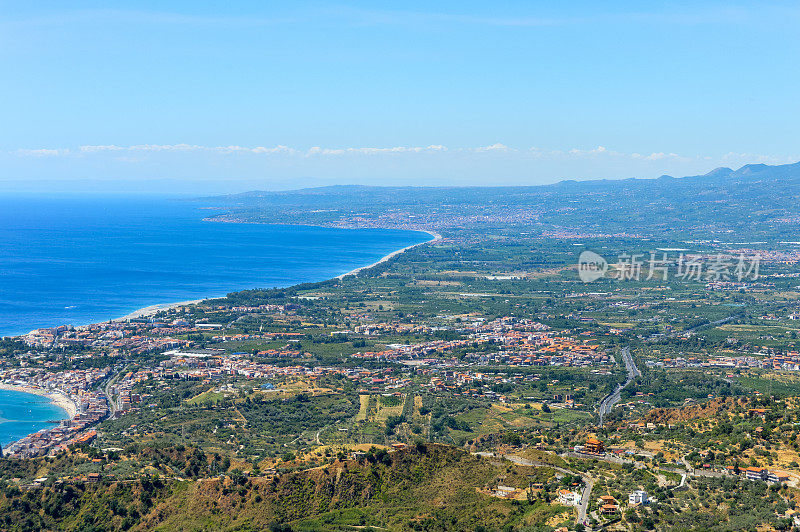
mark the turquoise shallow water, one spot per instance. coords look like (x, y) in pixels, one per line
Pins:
(82, 260)
(24, 413)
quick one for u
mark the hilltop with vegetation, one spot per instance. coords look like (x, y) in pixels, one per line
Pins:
(424, 487)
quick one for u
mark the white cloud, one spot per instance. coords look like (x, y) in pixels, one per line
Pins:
(92, 149)
(41, 152)
(141, 147)
(187, 148)
(277, 149)
(166, 147)
(600, 150)
(139, 152)
(660, 156)
(262, 150)
(494, 147)
(732, 157)
(316, 150)
(399, 149)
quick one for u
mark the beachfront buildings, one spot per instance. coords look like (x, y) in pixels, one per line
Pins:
(79, 387)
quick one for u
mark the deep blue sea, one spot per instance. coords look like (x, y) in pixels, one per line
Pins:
(24, 413)
(81, 260)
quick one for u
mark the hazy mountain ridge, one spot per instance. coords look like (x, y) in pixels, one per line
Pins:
(748, 172)
(718, 202)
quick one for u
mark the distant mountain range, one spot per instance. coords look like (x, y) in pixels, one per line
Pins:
(748, 172)
(756, 199)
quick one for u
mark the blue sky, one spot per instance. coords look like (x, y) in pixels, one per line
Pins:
(214, 97)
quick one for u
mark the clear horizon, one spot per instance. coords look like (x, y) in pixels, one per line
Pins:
(169, 188)
(200, 99)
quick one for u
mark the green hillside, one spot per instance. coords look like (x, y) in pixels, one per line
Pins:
(428, 487)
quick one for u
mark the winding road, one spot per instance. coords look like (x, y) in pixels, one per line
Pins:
(588, 482)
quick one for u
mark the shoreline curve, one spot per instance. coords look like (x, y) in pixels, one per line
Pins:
(152, 310)
(56, 397)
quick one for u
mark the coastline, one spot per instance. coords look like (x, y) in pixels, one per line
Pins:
(70, 407)
(59, 399)
(152, 310)
(155, 309)
(435, 238)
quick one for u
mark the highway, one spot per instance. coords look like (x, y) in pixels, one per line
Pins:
(608, 402)
(703, 325)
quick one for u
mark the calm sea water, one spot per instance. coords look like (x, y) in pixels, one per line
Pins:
(83, 260)
(24, 413)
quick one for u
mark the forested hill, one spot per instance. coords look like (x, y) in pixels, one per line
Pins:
(754, 200)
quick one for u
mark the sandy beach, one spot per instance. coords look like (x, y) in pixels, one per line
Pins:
(435, 237)
(59, 399)
(152, 310)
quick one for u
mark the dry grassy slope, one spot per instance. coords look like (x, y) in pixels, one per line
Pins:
(441, 480)
(711, 409)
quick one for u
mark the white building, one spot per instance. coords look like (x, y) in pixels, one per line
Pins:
(569, 498)
(637, 497)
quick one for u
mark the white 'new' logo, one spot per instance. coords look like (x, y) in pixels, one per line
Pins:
(591, 266)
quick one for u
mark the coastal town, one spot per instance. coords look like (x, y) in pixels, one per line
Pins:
(401, 267)
(72, 391)
(557, 403)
